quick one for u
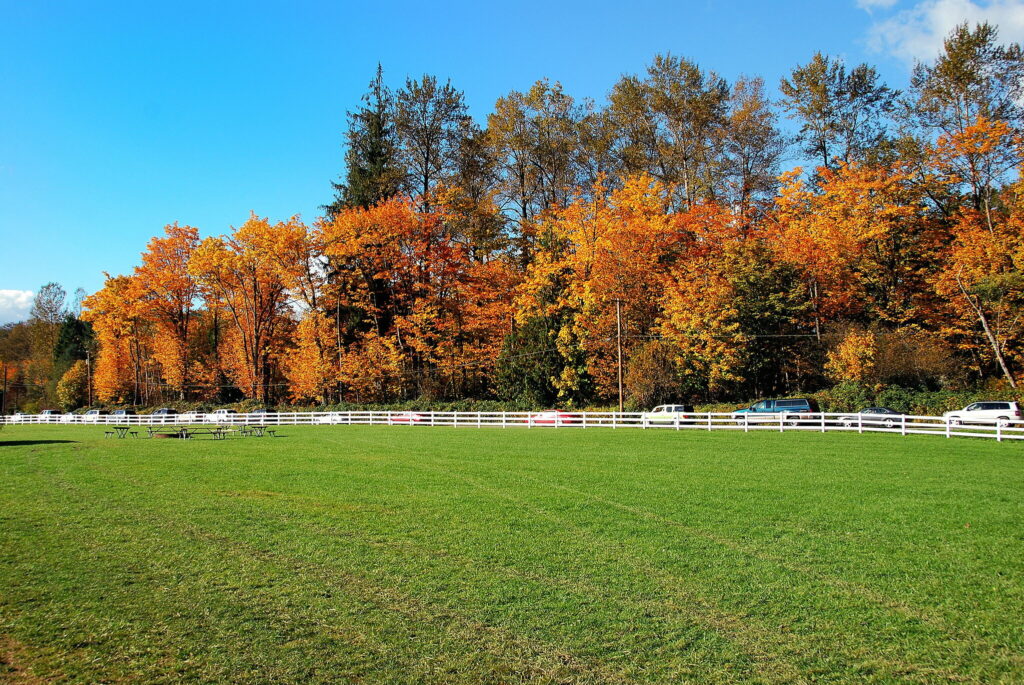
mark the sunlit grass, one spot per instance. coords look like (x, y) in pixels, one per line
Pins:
(466, 555)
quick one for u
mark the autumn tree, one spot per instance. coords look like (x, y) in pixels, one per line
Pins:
(535, 136)
(752, 146)
(430, 119)
(672, 120)
(238, 272)
(842, 114)
(117, 315)
(72, 387)
(45, 319)
(603, 247)
(169, 293)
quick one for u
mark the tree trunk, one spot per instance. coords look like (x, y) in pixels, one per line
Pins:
(996, 348)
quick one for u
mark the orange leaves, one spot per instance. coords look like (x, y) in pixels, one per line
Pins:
(117, 315)
(845, 235)
(612, 245)
(168, 292)
(309, 366)
(977, 155)
(240, 273)
(373, 369)
(699, 317)
(853, 359)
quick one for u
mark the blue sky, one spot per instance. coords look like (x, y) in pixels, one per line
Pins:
(118, 118)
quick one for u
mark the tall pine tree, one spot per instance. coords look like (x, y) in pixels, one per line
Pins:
(373, 173)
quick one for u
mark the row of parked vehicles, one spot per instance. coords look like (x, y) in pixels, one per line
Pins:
(791, 410)
(788, 411)
(168, 414)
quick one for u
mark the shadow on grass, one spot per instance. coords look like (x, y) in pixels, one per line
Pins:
(22, 443)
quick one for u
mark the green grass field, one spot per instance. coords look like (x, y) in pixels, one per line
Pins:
(375, 554)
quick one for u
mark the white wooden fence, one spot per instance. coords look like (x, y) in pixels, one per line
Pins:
(693, 421)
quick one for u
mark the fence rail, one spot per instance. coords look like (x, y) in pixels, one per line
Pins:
(998, 429)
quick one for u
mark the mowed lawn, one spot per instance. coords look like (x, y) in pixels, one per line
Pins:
(415, 554)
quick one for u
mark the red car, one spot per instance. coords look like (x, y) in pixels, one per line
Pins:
(552, 417)
(407, 417)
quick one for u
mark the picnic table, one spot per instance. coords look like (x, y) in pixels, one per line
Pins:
(167, 432)
(120, 432)
(218, 432)
(254, 430)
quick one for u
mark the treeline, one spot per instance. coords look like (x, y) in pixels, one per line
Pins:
(44, 361)
(515, 261)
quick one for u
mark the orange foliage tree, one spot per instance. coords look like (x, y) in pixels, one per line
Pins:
(117, 315)
(168, 296)
(239, 273)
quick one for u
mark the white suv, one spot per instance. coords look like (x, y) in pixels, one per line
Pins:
(988, 413)
(221, 415)
(668, 413)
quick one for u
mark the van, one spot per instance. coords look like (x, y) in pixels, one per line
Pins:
(775, 411)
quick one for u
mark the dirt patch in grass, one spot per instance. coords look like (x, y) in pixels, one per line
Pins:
(14, 668)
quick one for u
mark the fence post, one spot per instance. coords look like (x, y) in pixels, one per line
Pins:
(822, 422)
(529, 420)
(614, 414)
(478, 419)
(584, 419)
(709, 421)
(860, 423)
(999, 430)
(947, 426)
(677, 420)
(903, 424)
(746, 424)
(502, 419)
(455, 419)
(782, 423)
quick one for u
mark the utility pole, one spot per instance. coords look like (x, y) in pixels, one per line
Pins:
(618, 344)
(88, 376)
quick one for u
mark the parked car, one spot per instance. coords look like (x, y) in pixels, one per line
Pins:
(872, 416)
(987, 413)
(95, 415)
(193, 416)
(221, 415)
(49, 412)
(771, 411)
(124, 412)
(331, 418)
(17, 417)
(552, 417)
(407, 417)
(166, 415)
(668, 413)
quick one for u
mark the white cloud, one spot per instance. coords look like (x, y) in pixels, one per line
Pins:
(917, 33)
(15, 305)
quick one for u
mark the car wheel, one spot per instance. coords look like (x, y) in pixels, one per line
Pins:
(889, 423)
(954, 422)
(1003, 421)
(847, 424)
